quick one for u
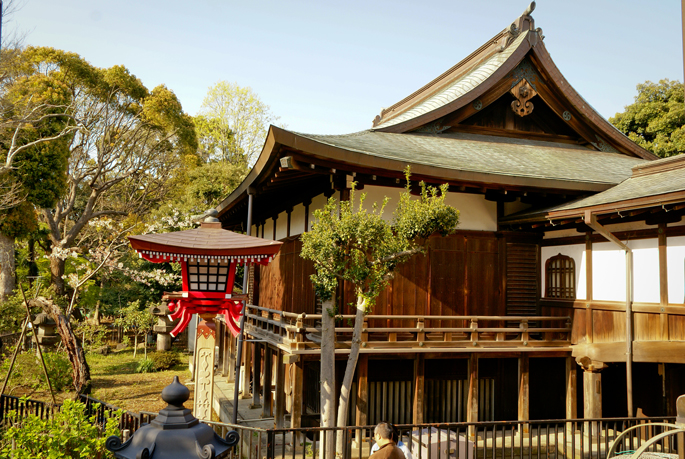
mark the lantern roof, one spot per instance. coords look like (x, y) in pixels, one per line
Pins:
(210, 239)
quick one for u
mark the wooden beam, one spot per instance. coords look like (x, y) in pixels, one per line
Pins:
(592, 394)
(245, 382)
(419, 390)
(296, 412)
(571, 388)
(279, 411)
(663, 280)
(472, 397)
(256, 375)
(524, 390)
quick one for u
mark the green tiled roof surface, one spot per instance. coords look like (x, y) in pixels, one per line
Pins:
(490, 155)
(461, 86)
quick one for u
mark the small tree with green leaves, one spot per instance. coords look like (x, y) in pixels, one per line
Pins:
(349, 243)
(139, 321)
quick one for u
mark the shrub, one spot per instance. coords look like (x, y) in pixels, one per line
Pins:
(164, 360)
(28, 372)
(145, 366)
(69, 434)
(92, 336)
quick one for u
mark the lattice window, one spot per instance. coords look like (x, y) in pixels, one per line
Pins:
(204, 276)
(560, 272)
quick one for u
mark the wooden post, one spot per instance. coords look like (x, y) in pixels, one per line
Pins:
(571, 389)
(663, 280)
(279, 414)
(592, 397)
(524, 390)
(362, 394)
(472, 400)
(256, 374)
(247, 365)
(267, 398)
(419, 390)
(230, 358)
(296, 414)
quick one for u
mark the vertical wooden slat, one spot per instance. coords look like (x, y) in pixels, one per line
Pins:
(279, 414)
(256, 374)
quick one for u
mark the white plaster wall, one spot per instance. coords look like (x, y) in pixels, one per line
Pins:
(608, 272)
(281, 226)
(253, 230)
(646, 270)
(376, 194)
(676, 269)
(318, 202)
(475, 213)
(297, 220)
(269, 229)
(577, 252)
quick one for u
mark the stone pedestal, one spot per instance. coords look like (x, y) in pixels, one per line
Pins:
(163, 329)
(204, 372)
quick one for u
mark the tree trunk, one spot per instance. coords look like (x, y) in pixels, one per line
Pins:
(56, 273)
(135, 345)
(349, 369)
(328, 378)
(7, 277)
(80, 369)
(96, 314)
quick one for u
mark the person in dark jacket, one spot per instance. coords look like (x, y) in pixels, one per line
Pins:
(382, 434)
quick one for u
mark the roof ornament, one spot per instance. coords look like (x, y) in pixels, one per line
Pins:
(523, 91)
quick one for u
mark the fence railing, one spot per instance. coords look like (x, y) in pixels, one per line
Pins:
(299, 333)
(535, 439)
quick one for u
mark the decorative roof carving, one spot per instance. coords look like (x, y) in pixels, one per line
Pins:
(523, 92)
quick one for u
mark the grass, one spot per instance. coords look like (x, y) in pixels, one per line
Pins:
(115, 381)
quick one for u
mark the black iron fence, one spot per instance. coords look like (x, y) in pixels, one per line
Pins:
(545, 439)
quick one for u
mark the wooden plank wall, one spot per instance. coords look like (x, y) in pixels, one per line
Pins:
(461, 274)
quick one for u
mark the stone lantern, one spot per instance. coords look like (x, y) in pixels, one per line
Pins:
(44, 328)
(209, 256)
(174, 434)
(163, 328)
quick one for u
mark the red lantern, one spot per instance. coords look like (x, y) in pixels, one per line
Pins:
(209, 256)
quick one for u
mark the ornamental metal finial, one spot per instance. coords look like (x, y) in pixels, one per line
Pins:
(530, 9)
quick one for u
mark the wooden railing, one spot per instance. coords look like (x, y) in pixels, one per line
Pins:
(299, 333)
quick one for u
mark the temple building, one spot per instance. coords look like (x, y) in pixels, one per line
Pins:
(561, 293)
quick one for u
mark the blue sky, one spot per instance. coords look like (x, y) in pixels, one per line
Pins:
(329, 67)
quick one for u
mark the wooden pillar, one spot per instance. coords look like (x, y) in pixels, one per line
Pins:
(419, 381)
(230, 357)
(256, 374)
(472, 399)
(267, 398)
(362, 395)
(524, 390)
(289, 212)
(571, 389)
(589, 328)
(592, 394)
(275, 219)
(298, 384)
(279, 410)
(663, 280)
(247, 365)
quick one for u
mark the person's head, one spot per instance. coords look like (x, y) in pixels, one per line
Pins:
(383, 433)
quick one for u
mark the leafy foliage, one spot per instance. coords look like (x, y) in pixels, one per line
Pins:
(28, 372)
(12, 314)
(93, 336)
(69, 434)
(233, 123)
(146, 365)
(656, 120)
(164, 360)
(348, 242)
